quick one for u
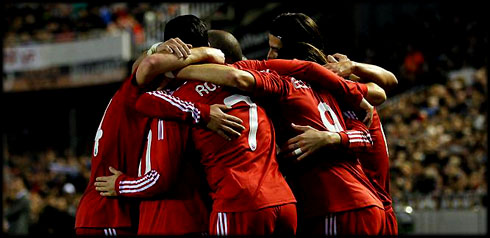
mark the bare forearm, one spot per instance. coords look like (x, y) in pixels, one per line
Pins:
(375, 74)
(138, 61)
(218, 74)
(156, 64)
(376, 95)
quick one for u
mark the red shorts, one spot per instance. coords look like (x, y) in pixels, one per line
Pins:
(364, 221)
(173, 217)
(88, 231)
(276, 220)
(391, 225)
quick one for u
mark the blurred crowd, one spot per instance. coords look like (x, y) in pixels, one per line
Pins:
(437, 139)
(30, 23)
(422, 43)
(33, 23)
(41, 192)
(436, 132)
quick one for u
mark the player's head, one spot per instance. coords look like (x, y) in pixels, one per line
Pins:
(189, 28)
(303, 51)
(289, 28)
(227, 43)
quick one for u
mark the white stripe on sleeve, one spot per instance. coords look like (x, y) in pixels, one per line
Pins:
(182, 105)
(360, 140)
(152, 173)
(152, 182)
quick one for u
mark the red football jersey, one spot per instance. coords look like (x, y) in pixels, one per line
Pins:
(162, 104)
(329, 181)
(243, 173)
(118, 143)
(169, 181)
(375, 161)
(379, 169)
(314, 73)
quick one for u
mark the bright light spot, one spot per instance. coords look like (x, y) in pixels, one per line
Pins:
(408, 209)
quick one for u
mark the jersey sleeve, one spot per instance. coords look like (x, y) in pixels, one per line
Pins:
(357, 137)
(145, 186)
(128, 92)
(269, 83)
(251, 64)
(310, 72)
(159, 104)
(166, 155)
(360, 86)
(316, 74)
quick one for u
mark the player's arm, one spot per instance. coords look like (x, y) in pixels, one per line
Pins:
(152, 183)
(148, 185)
(157, 64)
(161, 171)
(159, 104)
(361, 72)
(255, 82)
(311, 140)
(132, 89)
(375, 94)
(310, 72)
(172, 46)
(137, 62)
(222, 75)
(316, 75)
(356, 138)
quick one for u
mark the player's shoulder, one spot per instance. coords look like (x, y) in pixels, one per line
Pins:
(196, 90)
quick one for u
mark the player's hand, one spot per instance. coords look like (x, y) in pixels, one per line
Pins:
(175, 46)
(342, 67)
(106, 185)
(340, 57)
(215, 55)
(369, 112)
(309, 141)
(227, 126)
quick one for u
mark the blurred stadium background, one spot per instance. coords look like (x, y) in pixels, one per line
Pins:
(62, 62)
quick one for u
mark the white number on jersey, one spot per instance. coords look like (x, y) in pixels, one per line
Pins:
(100, 132)
(253, 117)
(325, 108)
(147, 157)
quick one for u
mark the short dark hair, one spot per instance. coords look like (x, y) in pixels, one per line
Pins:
(296, 27)
(227, 43)
(189, 28)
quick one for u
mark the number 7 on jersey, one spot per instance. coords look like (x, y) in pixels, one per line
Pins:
(253, 118)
